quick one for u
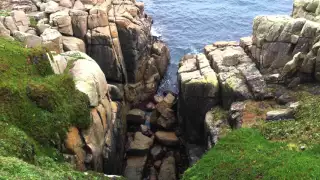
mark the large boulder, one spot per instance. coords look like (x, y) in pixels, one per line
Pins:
(88, 76)
(52, 39)
(73, 44)
(199, 88)
(29, 40)
(79, 21)
(140, 145)
(62, 21)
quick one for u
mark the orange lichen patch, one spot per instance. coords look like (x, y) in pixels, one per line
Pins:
(73, 139)
(114, 107)
(254, 111)
(74, 144)
(103, 115)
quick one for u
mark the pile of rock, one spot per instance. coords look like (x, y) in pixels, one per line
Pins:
(152, 146)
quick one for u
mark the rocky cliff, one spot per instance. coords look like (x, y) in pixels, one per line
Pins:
(262, 70)
(107, 48)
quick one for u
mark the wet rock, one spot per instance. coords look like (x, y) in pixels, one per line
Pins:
(116, 92)
(195, 152)
(144, 129)
(278, 115)
(167, 123)
(136, 116)
(169, 98)
(168, 169)
(140, 145)
(158, 98)
(135, 167)
(167, 138)
(157, 164)
(153, 174)
(157, 152)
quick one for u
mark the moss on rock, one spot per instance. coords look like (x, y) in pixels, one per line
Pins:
(36, 110)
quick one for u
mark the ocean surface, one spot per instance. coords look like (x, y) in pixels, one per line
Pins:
(188, 25)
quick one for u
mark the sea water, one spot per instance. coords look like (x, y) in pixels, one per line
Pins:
(188, 25)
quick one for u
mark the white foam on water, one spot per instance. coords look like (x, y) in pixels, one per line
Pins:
(155, 31)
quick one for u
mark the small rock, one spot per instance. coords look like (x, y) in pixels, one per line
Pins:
(144, 129)
(194, 153)
(150, 106)
(78, 5)
(158, 98)
(169, 98)
(168, 169)
(136, 116)
(157, 164)
(167, 138)
(157, 152)
(293, 105)
(285, 99)
(135, 167)
(167, 123)
(283, 114)
(140, 145)
(153, 174)
(66, 3)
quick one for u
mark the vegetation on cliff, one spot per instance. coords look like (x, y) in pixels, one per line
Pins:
(246, 154)
(36, 110)
(267, 150)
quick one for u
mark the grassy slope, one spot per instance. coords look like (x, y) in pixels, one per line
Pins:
(246, 154)
(36, 109)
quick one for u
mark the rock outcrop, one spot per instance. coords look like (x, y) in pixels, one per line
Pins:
(116, 34)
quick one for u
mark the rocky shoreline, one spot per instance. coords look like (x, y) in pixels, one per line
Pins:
(107, 47)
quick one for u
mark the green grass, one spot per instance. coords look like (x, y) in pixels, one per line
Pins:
(36, 109)
(246, 154)
(35, 100)
(305, 130)
(13, 168)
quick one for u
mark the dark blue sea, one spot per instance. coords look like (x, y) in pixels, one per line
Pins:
(188, 25)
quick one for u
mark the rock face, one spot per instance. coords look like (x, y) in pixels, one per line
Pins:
(224, 74)
(101, 147)
(199, 89)
(116, 34)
